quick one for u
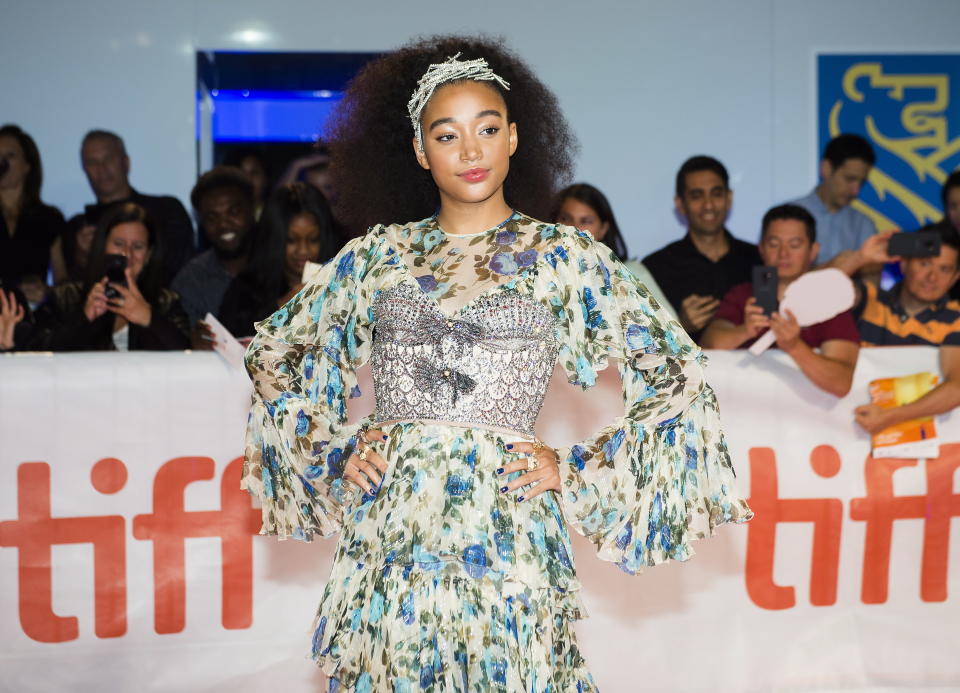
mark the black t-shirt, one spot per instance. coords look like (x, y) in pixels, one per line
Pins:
(27, 252)
(680, 269)
(243, 305)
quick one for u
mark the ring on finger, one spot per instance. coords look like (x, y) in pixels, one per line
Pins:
(362, 454)
(531, 464)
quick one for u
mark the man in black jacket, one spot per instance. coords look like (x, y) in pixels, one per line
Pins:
(105, 161)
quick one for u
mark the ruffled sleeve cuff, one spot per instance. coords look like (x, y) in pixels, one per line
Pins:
(302, 493)
(643, 494)
(660, 476)
(303, 362)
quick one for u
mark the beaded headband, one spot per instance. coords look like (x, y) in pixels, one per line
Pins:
(439, 74)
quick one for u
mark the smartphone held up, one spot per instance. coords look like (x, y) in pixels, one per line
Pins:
(116, 273)
(765, 283)
(914, 244)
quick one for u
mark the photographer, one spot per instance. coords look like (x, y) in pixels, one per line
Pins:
(917, 311)
(121, 305)
(826, 352)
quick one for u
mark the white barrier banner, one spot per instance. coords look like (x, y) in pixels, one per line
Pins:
(129, 559)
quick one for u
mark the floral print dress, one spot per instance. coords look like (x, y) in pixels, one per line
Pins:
(439, 581)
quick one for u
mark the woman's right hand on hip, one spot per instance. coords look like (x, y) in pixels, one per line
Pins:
(366, 467)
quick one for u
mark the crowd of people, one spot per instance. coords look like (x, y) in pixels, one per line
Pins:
(707, 277)
(129, 273)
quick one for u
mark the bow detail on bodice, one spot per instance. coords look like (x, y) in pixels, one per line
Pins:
(435, 327)
(430, 378)
(488, 364)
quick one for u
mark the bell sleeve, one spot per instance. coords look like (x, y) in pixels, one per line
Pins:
(659, 476)
(302, 362)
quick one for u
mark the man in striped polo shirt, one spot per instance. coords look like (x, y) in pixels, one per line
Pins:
(917, 311)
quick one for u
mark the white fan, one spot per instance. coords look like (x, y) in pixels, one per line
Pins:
(813, 297)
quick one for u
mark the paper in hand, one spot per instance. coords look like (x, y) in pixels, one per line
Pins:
(915, 439)
(812, 298)
(225, 343)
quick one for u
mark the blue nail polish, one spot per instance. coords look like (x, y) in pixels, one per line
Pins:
(503, 489)
(509, 446)
(520, 499)
(386, 437)
(499, 470)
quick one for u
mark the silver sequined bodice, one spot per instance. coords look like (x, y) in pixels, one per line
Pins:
(488, 365)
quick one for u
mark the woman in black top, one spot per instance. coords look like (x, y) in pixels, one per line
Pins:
(98, 314)
(27, 226)
(296, 227)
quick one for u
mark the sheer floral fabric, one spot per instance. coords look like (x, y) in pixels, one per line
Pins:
(440, 582)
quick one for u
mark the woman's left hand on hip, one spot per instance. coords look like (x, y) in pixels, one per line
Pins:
(541, 467)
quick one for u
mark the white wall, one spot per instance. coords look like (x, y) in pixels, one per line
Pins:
(645, 84)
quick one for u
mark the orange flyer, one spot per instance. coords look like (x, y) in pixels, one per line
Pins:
(915, 438)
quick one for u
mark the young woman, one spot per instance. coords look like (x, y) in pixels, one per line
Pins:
(585, 207)
(454, 571)
(296, 227)
(70, 253)
(28, 227)
(101, 314)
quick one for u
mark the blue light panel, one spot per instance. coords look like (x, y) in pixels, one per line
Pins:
(271, 116)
